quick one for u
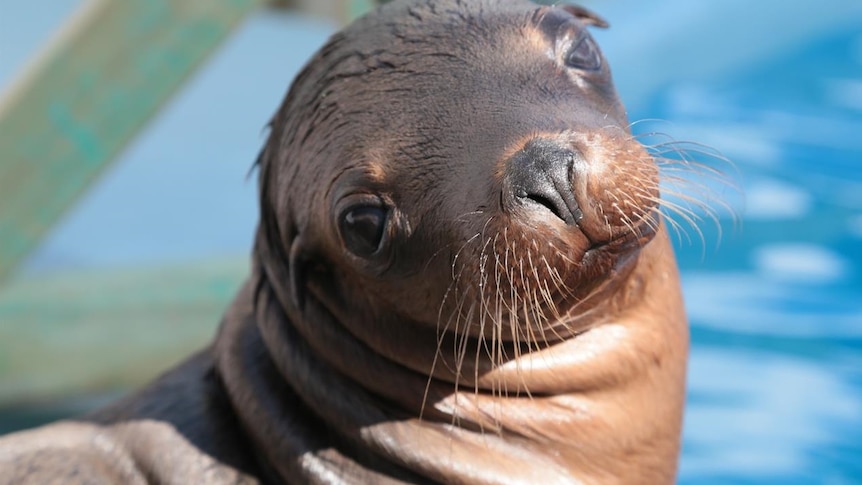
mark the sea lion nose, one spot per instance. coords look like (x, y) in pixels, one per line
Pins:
(540, 176)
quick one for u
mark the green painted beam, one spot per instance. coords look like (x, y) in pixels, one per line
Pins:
(92, 90)
(89, 332)
(341, 11)
(95, 86)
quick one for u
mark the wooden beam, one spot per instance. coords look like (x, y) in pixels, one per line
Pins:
(87, 95)
(90, 332)
(102, 77)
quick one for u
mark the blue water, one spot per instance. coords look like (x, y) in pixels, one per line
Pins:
(776, 370)
(775, 381)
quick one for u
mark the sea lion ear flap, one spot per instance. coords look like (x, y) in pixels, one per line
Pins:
(297, 268)
(586, 16)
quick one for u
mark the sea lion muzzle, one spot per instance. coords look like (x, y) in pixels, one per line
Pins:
(541, 175)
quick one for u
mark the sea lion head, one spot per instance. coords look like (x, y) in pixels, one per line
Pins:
(434, 160)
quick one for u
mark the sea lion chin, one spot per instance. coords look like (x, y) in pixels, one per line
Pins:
(461, 274)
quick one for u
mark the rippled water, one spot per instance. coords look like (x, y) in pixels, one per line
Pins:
(775, 384)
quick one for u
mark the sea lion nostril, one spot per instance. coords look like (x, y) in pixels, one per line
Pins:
(549, 204)
(541, 175)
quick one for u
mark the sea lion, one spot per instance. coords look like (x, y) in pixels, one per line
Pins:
(460, 275)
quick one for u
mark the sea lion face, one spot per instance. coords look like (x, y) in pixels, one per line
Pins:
(459, 163)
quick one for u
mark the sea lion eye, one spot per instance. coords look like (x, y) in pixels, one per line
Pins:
(584, 55)
(362, 228)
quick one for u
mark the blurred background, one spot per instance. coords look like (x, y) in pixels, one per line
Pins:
(120, 249)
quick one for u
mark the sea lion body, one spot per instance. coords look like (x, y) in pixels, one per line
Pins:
(460, 276)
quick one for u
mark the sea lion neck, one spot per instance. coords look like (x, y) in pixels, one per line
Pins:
(302, 372)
